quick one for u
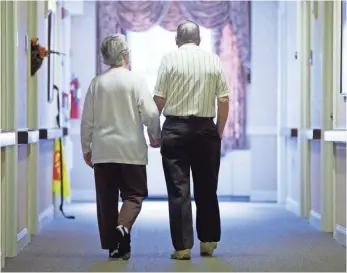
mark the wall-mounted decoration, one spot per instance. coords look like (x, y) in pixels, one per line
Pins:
(38, 54)
(343, 77)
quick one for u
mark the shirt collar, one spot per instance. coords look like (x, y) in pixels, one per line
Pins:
(188, 46)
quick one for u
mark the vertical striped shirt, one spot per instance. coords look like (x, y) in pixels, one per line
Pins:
(190, 79)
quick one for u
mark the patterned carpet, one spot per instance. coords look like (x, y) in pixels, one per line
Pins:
(256, 238)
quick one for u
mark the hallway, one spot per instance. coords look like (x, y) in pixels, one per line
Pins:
(256, 237)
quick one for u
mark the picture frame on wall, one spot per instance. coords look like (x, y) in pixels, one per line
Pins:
(343, 77)
(50, 58)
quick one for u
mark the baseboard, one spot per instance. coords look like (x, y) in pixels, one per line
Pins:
(293, 206)
(263, 196)
(2, 260)
(83, 196)
(221, 198)
(46, 217)
(89, 196)
(340, 235)
(23, 239)
(315, 220)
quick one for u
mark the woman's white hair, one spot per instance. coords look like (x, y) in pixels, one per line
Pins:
(114, 49)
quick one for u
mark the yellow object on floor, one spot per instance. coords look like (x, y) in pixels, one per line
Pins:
(57, 171)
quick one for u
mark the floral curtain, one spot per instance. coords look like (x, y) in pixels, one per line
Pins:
(235, 129)
(230, 22)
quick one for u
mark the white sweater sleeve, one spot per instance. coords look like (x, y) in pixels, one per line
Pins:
(148, 110)
(87, 120)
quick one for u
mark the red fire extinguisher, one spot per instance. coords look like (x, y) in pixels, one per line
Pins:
(75, 98)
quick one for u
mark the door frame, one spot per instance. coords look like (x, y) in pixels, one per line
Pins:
(282, 182)
(32, 122)
(2, 237)
(335, 87)
(327, 153)
(304, 8)
(9, 65)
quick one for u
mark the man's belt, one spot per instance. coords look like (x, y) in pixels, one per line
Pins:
(189, 118)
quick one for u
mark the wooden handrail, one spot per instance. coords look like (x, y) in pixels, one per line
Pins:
(337, 135)
(311, 134)
(28, 136)
(7, 138)
(290, 132)
(50, 133)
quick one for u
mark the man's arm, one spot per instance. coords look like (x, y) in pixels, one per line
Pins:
(161, 86)
(160, 102)
(87, 120)
(222, 93)
(148, 111)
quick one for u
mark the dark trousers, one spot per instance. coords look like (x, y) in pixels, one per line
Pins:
(192, 143)
(110, 179)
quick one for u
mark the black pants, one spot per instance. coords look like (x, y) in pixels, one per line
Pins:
(192, 143)
(110, 180)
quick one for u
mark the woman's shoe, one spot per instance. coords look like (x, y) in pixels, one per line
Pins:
(123, 252)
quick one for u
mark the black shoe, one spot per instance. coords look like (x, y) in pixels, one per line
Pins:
(123, 251)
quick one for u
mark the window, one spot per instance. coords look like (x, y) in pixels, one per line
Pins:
(147, 49)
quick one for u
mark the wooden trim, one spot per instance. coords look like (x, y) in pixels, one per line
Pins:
(7, 138)
(28, 136)
(290, 132)
(65, 131)
(50, 133)
(311, 134)
(336, 136)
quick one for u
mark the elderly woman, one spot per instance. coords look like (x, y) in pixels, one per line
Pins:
(117, 105)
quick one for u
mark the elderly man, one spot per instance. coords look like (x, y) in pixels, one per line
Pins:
(189, 81)
(117, 105)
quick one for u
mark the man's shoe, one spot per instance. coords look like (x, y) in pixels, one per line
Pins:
(206, 249)
(123, 252)
(181, 255)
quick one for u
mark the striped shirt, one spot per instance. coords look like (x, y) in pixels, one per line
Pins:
(190, 79)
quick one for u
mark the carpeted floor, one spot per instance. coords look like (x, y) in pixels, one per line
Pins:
(256, 238)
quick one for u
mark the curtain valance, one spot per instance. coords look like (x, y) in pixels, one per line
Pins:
(138, 16)
(142, 15)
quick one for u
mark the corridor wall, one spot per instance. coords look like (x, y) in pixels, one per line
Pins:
(26, 155)
(313, 179)
(23, 235)
(288, 113)
(262, 100)
(47, 112)
(83, 66)
(339, 127)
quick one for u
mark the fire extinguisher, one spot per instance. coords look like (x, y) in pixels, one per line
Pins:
(75, 98)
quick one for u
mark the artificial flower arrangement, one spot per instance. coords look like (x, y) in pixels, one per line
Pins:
(38, 53)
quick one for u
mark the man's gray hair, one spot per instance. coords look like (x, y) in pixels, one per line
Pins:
(188, 32)
(114, 49)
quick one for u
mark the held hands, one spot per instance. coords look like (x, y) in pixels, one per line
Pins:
(154, 143)
(88, 159)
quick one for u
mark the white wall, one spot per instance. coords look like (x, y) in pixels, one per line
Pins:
(83, 41)
(83, 65)
(262, 100)
(289, 103)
